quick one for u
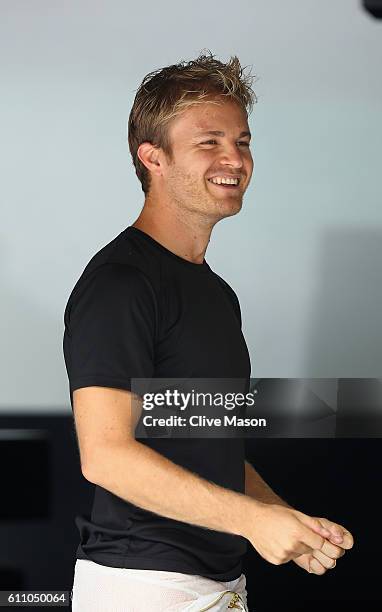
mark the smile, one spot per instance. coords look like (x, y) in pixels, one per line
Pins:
(223, 185)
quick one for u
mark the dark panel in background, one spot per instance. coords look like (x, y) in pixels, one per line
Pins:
(42, 491)
(335, 478)
(26, 475)
(373, 7)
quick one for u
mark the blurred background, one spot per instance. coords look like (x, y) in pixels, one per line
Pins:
(304, 255)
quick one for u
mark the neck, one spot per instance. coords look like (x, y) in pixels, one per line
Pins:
(178, 232)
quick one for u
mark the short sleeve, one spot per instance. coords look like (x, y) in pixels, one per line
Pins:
(110, 328)
(232, 296)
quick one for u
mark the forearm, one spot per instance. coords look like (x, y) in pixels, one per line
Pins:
(140, 475)
(258, 489)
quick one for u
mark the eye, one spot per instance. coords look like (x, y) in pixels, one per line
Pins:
(242, 142)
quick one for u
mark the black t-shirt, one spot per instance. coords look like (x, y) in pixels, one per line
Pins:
(140, 311)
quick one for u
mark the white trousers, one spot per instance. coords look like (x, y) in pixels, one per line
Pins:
(99, 588)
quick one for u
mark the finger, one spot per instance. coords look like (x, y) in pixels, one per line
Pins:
(303, 561)
(334, 528)
(315, 533)
(334, 551)
(315, 567)
(299, 550)
(348, 540)
(316, 525)
(327, 562)
(313, 540)
(335, 532)
(339, 535)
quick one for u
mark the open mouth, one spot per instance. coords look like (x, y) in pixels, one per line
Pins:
(224, 185)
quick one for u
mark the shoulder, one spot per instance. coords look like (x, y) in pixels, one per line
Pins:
(112, 277)
(110, 287)
(231, 295)
(227, 287)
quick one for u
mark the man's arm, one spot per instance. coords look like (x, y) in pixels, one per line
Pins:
(112, 458)
(258, 489)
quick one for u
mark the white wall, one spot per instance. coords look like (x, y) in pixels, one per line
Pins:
(304, 255)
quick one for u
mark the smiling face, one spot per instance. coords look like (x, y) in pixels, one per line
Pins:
(208, 141)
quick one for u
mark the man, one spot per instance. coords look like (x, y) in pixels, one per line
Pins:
(172, 517)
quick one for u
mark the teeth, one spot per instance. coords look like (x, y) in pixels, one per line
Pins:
(219, 180)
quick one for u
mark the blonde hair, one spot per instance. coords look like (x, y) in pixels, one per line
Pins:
(167, 92)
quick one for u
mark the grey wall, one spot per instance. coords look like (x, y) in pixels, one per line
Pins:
(303, 255)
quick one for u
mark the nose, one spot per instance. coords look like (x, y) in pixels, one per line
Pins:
(232, 156)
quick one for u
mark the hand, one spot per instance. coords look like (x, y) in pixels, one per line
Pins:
(319, 561)
(280, 533)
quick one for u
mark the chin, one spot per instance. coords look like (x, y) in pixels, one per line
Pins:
(228, 209)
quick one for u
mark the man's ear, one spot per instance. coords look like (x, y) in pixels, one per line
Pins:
(149, 155)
